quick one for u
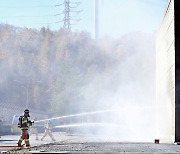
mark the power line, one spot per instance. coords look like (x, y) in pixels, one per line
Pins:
(29, 16)
(58, 14)
(30, 6)
(55, 22)
(34, 16)
(45, 23)
(69, 7)
(58, 5)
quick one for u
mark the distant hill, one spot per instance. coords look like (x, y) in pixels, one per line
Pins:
(64, 70)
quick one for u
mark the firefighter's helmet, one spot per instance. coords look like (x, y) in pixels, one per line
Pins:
(26, 111)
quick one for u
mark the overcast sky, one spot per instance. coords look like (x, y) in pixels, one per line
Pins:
(116, 17)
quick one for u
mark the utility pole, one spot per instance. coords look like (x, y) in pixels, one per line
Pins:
(96, 18)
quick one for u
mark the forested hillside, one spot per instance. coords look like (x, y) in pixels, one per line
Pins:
(64, 72)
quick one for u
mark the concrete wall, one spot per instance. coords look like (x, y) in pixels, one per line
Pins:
(165, 77)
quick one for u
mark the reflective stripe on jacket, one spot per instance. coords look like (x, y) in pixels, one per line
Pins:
(25, 122)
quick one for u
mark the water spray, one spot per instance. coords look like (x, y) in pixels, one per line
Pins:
(87, 124)
(75, 115)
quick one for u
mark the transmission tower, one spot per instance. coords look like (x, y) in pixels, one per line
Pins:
(67, 10)
(66, 15)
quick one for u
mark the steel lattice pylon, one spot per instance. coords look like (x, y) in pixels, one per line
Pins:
(66, 15)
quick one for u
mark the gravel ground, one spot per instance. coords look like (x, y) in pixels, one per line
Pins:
(67, 143)
(101, 147)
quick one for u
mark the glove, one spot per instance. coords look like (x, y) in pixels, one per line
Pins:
(30, 123)
(19, 125)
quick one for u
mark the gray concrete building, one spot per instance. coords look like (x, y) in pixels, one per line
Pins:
(168, 75)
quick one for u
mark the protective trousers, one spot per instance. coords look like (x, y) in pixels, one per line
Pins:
(48, 132)
(34, 131)
(24, 136)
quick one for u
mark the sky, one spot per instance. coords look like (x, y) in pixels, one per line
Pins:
(116, 17)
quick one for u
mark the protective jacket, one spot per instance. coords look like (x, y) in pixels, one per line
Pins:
(48, 126)
(24, 122)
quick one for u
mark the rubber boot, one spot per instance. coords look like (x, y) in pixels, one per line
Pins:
(19, 144)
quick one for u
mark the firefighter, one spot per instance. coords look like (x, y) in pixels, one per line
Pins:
(34, 130)
(24, 124)
(48, 130)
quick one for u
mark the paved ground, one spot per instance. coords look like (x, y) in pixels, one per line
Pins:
(67, 143)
